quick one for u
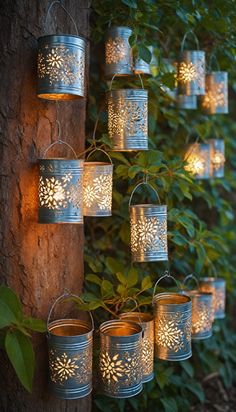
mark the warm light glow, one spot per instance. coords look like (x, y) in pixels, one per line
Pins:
(169, 333)
(187, 72)
(148, 233)
(195, 164)
(57, 193)
(115, 50)
(97, 191)
(214, 97)
(218, 160)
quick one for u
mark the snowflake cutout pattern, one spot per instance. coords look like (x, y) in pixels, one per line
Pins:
(111, 367)
(202, 317)
(60, 65)
(148, 234)
(127, 117)
(62, 367)
(115, 50)
(218, 160)
(169, 334)
(192, 72)
(219, 300)
(97, 191)
(214, 97)
(147, 356)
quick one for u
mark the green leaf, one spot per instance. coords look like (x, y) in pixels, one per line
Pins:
(94, 279)
(7, 317)
(196, 389)
(12, 301)
(132, 278)
(144, 53)
(37, 325)
(20, 352)
(186, 365)
(169, 404)
(146, 283)
(130, 3)
(133, 170)
(114, 265)
(107, 288)
(122, 279)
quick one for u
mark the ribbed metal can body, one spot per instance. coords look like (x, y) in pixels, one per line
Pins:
(191, 72)
(97, 189)
(118, 52)
(217, 147)
(61, 67)
(148, 225)
(128, 119)
(198, 159)
(216, 97)
(120, 360)
(172, 326)
(70, 343)
(60, 191)
(217, 287)
(202, 314)
(147, 322)
(186, 102)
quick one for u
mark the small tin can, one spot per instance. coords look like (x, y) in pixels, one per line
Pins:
(191, 72)
(186, 102)
(202, 314)
(217, 287)
(216, 97)
(118, 52)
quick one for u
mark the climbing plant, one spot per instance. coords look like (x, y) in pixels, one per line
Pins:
(201, 235)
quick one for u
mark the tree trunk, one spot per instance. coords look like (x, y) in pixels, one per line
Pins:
(37, 261)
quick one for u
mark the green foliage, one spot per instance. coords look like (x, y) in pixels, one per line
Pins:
(15, 336)
(201, 235)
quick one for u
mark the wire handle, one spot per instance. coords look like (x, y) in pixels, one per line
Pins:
(137, 313)
(116, 74)
(64, 296)
(213, 57)
(59, 141)
(166, 275)
(100, 150)
(56, 2)
(191, 276)
(185, 37)
(143, 183)
(134, 300)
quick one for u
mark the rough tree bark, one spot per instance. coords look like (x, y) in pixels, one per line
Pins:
(37, 261)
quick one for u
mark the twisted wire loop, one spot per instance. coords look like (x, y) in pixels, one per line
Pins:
(191, 276)
(57, 2)
(140, 184)
(66, 294)
(185, 37)
(165, 275)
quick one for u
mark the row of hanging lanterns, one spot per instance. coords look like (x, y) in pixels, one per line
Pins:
(206, 160)
(128, 345)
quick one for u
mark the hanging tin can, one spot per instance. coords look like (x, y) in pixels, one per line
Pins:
(97, 187)
(148, 224)
(216, 97)
(60, 190)
(118, 52)
(191, 70)
(120, 361)
(216, 286)
(186, 102)
(142, 67)
(146, 320)
(61, 65)
(70, 356)
(128, 119)
(198, 160)
(172, 325)
(217, 147)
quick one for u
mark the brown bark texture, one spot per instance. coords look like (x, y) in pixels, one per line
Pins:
(37, 261)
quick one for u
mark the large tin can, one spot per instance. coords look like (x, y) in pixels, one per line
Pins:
(191, 72)
(216, 97)
(128, 119)
(61, 67)
(146, 320)
(120, 361)
(172, 326)
(60, 191)
(118, 52)
(198, 158)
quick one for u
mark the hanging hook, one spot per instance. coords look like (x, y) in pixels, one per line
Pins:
(185, 37)
(140, 184)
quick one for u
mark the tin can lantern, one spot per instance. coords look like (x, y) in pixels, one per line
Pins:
(186, 102)
(128, 119)
(70, 355)
(217, 147)
(148, 224)
(61, 64)
(217, 287)
(147, 323)
(60, 189)
(120, 361)
(118, 52)
(202, 311)
(172, 324)
(97, 187)
(198, 160)
(216, 97)
(191, 69)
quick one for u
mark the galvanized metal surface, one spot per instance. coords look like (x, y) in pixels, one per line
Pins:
(128, 119)
(146, 320)
(120, 360)
(191, 72)
(60, 191)
(202, 313)
(118, 52)
(172, 325)
(148, 224)
(216, 286)
(198, 157)
(70, 344)
(97, 189)
(186, 102)
(61, 67)
(216, 97)
(142, 67)
(217, 148)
